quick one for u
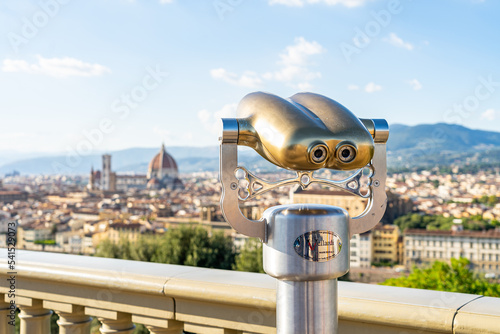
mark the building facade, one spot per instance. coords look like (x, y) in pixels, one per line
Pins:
(482, 248)
(386, 243)
(162, 174)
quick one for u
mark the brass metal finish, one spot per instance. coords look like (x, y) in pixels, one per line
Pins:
(287, 131)
(304, 133)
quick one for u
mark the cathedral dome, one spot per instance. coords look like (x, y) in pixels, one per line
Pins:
(162, 166)
(164, 160)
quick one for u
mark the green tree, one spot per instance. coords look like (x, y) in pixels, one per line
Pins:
(441, 276)
(492, 200)
(107, 248)
(186, 245)
(250, 257)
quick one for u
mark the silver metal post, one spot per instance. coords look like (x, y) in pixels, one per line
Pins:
(307, 307)
(307, 250)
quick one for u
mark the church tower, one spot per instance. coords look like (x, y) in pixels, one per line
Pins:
(91, 185)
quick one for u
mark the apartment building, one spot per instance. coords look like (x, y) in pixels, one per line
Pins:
(482, 248)
(385, 243)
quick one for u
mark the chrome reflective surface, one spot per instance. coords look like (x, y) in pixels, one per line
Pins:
(287, 223)
(318, 246)
(377, 202)
(307, 307)
(229, 198)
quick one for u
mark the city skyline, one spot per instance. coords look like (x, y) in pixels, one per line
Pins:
(130, 74)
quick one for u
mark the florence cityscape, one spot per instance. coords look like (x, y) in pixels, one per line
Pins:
(217, 167)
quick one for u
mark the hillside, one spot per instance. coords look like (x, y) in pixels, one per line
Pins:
(409, 146)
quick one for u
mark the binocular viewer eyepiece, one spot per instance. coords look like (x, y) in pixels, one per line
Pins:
(306, 132)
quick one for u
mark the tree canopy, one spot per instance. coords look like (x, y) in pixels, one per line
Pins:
(250, 257)
(441, 276)
(186, 245)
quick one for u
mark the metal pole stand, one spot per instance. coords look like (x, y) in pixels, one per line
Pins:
(307, 250)
(306, 246)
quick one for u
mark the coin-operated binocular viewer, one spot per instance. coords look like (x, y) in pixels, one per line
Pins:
(306, 246)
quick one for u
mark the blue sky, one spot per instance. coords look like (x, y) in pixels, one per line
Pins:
(102, 75)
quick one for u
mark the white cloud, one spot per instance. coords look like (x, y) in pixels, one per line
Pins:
(294, 62)
(489, 114)
(56, 67)
(293, 69)
(166, 1)
(300, 3)
(353, 87)
(212, 120)
(247, 79)
(397, 41)
(415, 84)
(372, 87)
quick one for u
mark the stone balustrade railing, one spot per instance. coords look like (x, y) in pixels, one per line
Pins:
(173, 299)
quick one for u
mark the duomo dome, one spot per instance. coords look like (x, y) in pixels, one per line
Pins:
(163, 171)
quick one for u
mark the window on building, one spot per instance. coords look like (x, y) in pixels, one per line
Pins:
(471, 245)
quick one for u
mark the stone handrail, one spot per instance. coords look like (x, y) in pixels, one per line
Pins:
(171, 298)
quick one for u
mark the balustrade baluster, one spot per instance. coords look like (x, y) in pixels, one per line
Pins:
(34, 318)
(72, 318)
(5, 310)
(112, 321)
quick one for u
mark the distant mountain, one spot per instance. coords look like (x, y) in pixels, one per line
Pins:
(408, 146)
(441, 136)
(133, 160)
(441, 144)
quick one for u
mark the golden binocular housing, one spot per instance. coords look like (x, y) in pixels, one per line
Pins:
(303, 133)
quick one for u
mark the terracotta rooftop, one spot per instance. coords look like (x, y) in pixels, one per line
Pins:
(162, 159)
